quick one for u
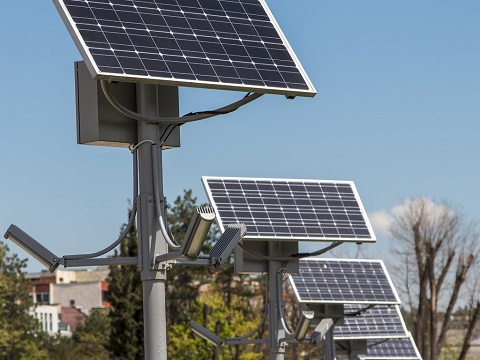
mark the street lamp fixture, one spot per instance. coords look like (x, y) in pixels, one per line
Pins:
(303, 325)
(33, 247)
(205, 334)
(197, 232)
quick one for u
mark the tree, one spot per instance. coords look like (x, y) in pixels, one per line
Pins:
(439, 250)
(92, 338)
(125, 296)
(20, 334)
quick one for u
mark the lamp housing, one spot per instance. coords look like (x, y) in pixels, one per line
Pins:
(321, 330)
(223, 248)
(197, 232)
(303, 325)
(33, 247)
(205, 334)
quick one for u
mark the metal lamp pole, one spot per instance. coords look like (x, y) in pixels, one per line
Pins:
(150, 239)
(275, 328)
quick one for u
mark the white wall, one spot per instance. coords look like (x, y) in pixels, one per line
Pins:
(48, 317)
(87, 295)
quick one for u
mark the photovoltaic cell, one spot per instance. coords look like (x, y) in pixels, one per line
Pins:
(347, 281)
(392, 349)
(377, 322)
(282, 209)
(226, 44)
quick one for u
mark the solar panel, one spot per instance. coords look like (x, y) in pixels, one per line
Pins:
(392, 349)
(343, 281)
(293, 210)
(226, 44)
(380, 321)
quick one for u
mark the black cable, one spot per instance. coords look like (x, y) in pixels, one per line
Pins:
(378, 342)
(215, 112)
(292, 256)
(170, 133)
(361, 311)
(174, 119)
(164, 132)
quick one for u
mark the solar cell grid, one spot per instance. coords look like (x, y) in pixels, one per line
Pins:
(290, 209)
(208, 43)
(343, 281)
(380, 321)
(394, 349)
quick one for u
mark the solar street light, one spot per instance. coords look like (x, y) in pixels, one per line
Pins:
(33, 247)
(205, 334)
(197, 232)
(303, 325)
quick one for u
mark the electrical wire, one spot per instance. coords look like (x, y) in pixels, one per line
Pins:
(319, 252)
(164, 132)
(175, 120)
(280, 303)
(264, 317)
(160, 209)
(360, 312)
(378, 342)
(251, 253)
(129, 225)
(291, 257)
(164, 137)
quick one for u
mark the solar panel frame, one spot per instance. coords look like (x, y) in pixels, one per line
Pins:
(183, 57)
(290, 209)
(380, 321)
(393, 349)
(335, 281)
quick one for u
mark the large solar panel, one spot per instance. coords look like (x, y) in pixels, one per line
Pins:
(343, 281)
(392, 349)
(293, 210)
(377, 322)
(226, 44)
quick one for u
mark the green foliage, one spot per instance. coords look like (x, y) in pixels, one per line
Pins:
(125, 293)
(183, 345)
(62, 348)
(92, 338)
(232, 309)
(20, 334)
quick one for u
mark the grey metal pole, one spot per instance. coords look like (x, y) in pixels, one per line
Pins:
(150, 239)
(275, 328)
(329, 346)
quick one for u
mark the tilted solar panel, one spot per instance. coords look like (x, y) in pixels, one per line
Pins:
(392, 349)
(226, 44)
(377, 322)
(290, 209)
(346, 281)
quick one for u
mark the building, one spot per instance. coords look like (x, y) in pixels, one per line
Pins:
(56, 319)
(82, 289)
(64, 298)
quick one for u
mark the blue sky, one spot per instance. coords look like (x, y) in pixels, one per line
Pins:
(397, 112)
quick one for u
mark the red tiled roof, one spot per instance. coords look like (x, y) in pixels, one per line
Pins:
(72, 317)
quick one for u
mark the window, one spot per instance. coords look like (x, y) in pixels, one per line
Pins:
(43, 298)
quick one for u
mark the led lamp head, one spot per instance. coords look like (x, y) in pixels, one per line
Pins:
(205, 334)
(303, 325)
(197, 232)
(33, 247)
